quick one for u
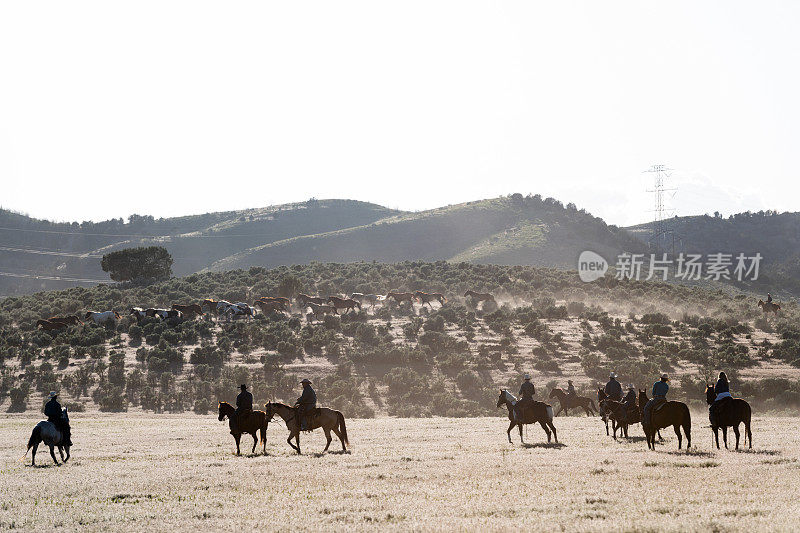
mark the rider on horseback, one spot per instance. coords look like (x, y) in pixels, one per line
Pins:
(722, 390)
(526, 391)
(52, 410)
(629, 401)
(660, 390)
(613, 388)
(244, 406)
(306, 404)
(571, 388)
(769, 298)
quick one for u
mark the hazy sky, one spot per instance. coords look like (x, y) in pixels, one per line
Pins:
(173, 107)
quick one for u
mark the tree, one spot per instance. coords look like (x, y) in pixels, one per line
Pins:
(134, 264)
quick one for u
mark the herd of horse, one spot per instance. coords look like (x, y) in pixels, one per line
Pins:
(318, 307)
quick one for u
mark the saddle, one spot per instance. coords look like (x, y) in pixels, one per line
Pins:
(660, 403)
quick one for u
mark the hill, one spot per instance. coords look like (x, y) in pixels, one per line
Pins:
(776, 236)
(513, 230)
(42, 255)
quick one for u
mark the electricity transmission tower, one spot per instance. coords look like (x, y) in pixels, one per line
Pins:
(661, 235)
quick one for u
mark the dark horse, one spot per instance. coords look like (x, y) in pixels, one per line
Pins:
(48, 433)
(769, 307)
(567, 402)
(325, 418)
(537, 412)
(737, 411)
(620, 415)
(257, 421)
(344, 303)
(675, 414)
(479, 297)
(426, 298)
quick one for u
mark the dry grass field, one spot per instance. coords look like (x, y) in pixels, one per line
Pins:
(142, 472)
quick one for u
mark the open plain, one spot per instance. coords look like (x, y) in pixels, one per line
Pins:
(179, 473)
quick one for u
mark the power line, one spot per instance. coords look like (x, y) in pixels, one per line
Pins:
(53, 278)
(48, 252)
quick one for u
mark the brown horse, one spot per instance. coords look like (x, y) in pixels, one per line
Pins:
(567, 402)
(254, 423)
(537, 412)
(327, 419)
(769, 307)
(344, 303)
(426, 298)
(190, 311)
(401, 297)
(620, 414)
(738, 411)
(69, 320)
(267, 307)
(322, 310)
(479, 297)
(48, 325)
(675, 414)
(304, 299)
(287, 303)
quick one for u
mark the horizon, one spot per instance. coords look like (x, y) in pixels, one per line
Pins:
(114, 111)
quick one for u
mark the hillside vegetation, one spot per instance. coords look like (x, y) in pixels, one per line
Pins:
(397, 360)
(512, 230)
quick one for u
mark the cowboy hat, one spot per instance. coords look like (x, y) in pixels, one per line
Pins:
(612, 375)
(631, 387)
(526, 377)
(53, 394)
(306, 380)
(665, 377)
(569, 381)
(243, 386)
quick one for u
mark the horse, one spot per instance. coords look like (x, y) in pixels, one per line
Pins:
(371, 299)
(340, 303)
(538, 412)
(479, 297)
(48, 325)
(304, 299)
(191, 310)
(401, 297)
(322, 310)
(325, 418)
(69, 320)
(568, 401)
(675, 414)
(47, 432)
(102, 317)
(426, 298)
(738, 411)
(140, 313)
(287, 303)
(164, 314)
(255, 422)
(620, 414)
(769, 307)
(268, 306)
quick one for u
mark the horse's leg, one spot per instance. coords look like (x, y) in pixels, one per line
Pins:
(546, 429)
(297, 440)
(33, 456)
(327, 432)
(606, 421)
(289, 440)
(255, 441)
(520, 433)
(339, 434)
(237, 438)
(736, 432)
(749, 434)
(553, 429)
(725, 436)
(53, 454)
(715, 429)
(510, 427)
(677, 429)
(61, 452)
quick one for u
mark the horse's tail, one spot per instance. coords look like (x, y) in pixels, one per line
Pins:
(342, 427)
(36, 438)
(687, 424)
(549, 409)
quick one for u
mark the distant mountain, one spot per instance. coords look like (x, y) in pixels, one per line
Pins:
(507, 230)
(776, 236)
(33, 251)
